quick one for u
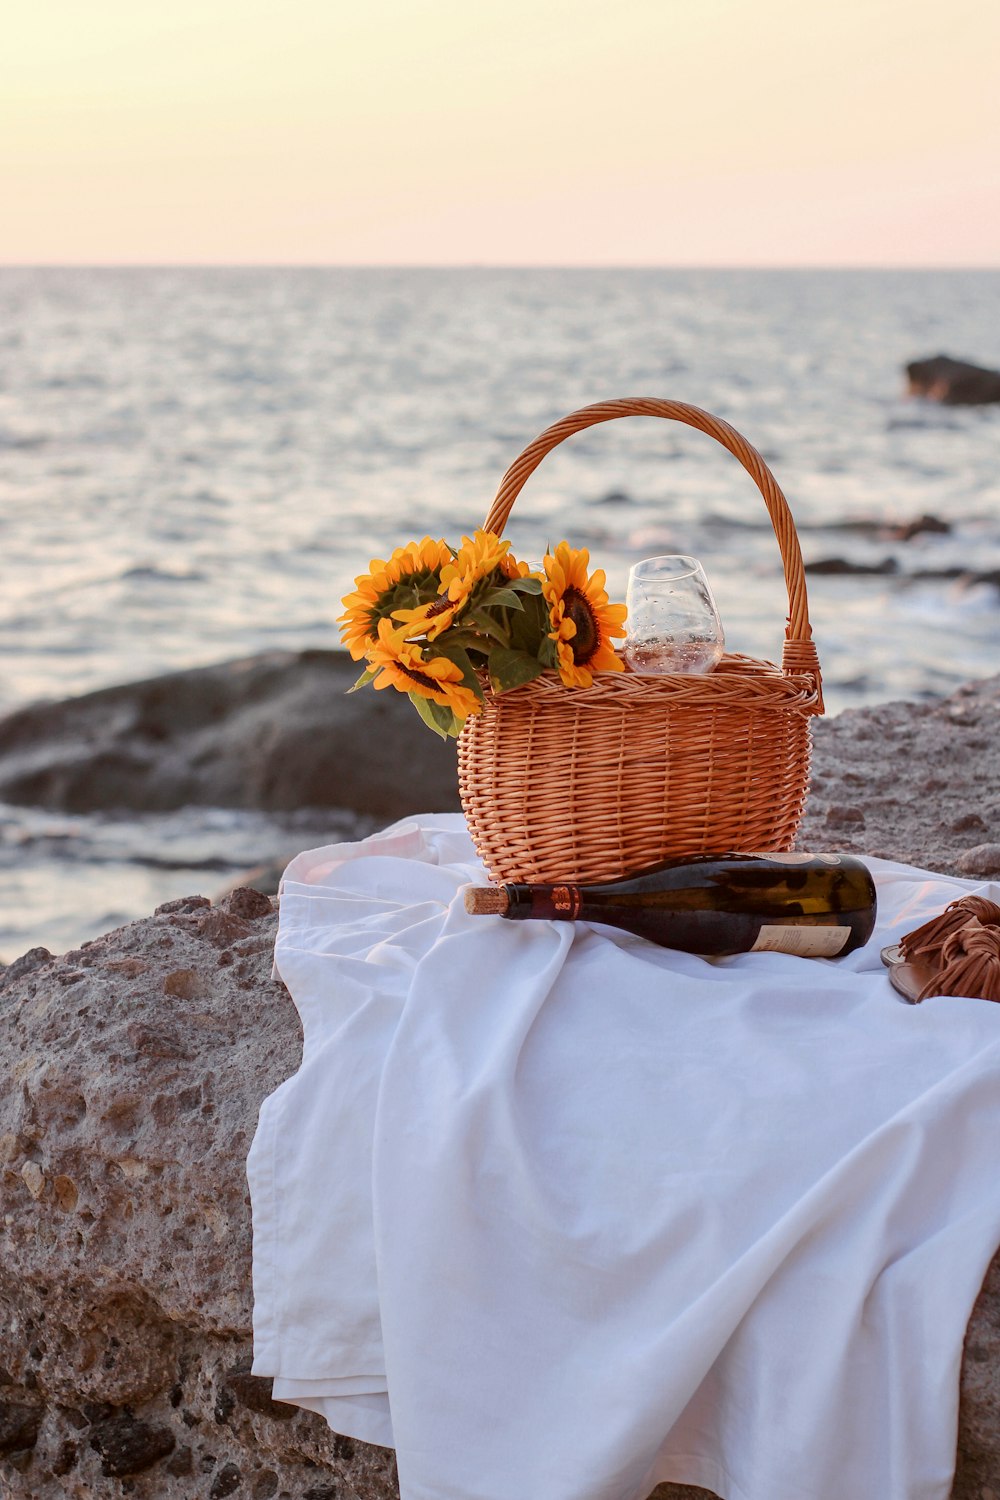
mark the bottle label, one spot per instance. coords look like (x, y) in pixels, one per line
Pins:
(567, 900)
(806, 942)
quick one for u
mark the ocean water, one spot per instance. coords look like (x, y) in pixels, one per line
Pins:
(195, 463)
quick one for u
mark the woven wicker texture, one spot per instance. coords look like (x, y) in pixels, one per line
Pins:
(588, 784)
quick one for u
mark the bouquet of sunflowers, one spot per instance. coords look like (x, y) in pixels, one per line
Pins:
(438, 623)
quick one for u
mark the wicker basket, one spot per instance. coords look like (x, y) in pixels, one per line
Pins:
(592, 783)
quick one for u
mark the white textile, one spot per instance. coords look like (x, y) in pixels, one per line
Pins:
(559, 1214)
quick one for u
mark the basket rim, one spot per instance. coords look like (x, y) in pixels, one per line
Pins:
(759, 683)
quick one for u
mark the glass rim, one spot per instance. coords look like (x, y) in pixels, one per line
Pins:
(662, 576)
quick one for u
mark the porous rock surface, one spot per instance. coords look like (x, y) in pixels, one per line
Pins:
(131, 1074)
(916, 782)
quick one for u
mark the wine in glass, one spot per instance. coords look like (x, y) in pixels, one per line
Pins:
(673, 623)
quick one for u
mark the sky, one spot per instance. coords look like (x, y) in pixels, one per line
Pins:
(501, 132)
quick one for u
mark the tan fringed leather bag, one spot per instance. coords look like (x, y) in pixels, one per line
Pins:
(588, 784)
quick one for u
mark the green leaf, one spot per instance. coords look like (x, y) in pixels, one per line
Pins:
(424, 708)
(447, 719)
(500, 599)
(526, 585)
(366, 677)
(547, 654)
(486, 624)
(511, 669)
(466, 640)
(530, 627)
(437, 716)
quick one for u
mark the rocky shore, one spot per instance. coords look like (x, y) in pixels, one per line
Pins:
(275, 732)
(133, 1070)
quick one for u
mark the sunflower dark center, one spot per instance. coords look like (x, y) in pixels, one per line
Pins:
(438, 607)
(579, 609)
(421, 677)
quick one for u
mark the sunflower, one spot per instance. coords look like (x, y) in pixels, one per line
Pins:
(481, 559)
(511, 568)
(478, 556)
(582, 620)
(400, 664)
(429, 620)
(417, 565)
(434, 617)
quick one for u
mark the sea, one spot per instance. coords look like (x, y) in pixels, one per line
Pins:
(195, 463)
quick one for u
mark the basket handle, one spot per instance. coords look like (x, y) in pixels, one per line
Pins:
(799, 652)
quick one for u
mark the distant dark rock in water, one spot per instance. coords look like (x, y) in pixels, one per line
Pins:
(842, 567)
(899, 531)
(953, 382)
(922, 526)
(835, 566)
(275, 732)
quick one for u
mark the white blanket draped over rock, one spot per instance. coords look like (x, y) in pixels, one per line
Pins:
(558, 1213)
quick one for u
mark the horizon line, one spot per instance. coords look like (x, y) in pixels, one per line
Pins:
(476, 265)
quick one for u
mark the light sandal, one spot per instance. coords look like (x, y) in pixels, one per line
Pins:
(956, 953)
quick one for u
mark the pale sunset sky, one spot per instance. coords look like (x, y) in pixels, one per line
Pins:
(504, 132)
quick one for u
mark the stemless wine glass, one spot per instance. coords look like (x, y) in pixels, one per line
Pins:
(673, 623)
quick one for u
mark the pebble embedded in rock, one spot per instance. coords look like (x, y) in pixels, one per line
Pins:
(246, 902)
(222, 928)
(66, 1193)
(980, 863)
(843, 817)
(969, 822)
(128, 1446)
(34, 1178)
(131, 967)
(19, 1426)
(225, 1482)
(180, 905)
(180, 1463)
(185, 984)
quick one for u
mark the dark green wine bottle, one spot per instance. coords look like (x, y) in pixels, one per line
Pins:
(813, 905)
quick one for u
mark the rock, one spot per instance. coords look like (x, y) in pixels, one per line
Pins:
(34, 1181)
(921, 527)
(33, 959)
(128, 1447)
(125, 1283)
(183, 904)
(954, 382)
(836, 566)
(275, 732)
(915, 773)
(225, 1482)
(246, 902)
(845, 815)
(980, 863)
(19, 1426)
(185, 984)
(128, 1101)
